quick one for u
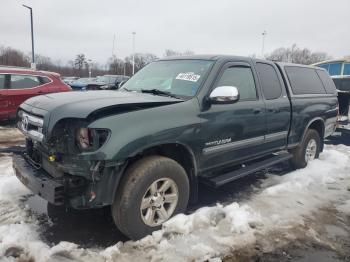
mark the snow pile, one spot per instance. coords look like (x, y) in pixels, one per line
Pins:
(17, 229)
(282, 203)
(344, 207)
(10, 135)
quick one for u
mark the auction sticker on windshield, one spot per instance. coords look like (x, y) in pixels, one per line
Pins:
(190, 76)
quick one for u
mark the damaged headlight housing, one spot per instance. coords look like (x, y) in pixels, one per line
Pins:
(90, 139)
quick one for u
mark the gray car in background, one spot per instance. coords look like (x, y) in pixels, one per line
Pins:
(110, 82)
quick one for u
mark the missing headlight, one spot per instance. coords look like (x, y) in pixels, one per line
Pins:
(89, 139)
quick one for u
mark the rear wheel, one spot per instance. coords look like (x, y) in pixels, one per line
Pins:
(153, 190)
(308, 150)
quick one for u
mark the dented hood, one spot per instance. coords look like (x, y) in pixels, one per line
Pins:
(83, 104)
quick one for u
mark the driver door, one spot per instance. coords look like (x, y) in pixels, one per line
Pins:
(232, 132)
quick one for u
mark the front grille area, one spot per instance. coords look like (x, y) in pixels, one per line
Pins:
(31, 126)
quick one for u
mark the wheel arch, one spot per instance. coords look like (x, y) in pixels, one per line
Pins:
(179, 152)
(318, 125)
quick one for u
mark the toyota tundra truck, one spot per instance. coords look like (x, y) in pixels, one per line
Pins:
(178, 122)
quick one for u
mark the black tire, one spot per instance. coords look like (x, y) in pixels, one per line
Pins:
(298, 160)
(135, 183)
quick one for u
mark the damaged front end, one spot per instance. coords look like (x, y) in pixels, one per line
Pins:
(58, 167)
(65, 151)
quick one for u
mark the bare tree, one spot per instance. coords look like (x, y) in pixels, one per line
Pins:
(116, 65)
(188, 52)
(43, 62)
(80, 63)
(13, 57)
(141, 59)
(170, 53)
(294, 54)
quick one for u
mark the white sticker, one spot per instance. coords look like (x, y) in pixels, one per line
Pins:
(190, 76)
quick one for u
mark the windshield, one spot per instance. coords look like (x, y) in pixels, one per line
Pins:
(177, 77)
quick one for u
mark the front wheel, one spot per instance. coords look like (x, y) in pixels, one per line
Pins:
(153, 190)
(308, 150)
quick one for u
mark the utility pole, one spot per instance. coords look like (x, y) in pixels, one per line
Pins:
(90, 67)
(114, 58)
(113, 46)
(32, 33)
(133, 52)
(263, 43)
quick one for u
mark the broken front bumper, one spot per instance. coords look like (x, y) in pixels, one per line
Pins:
(38, 181)
(69, 190)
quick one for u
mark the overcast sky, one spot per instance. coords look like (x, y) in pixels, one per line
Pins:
(64, 28)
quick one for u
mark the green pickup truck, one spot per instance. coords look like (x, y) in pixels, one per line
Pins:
(178, 122)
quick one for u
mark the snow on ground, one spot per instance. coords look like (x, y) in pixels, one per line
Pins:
(282, 204)
(10, 135)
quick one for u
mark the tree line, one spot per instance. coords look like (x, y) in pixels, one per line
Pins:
(297, 55)
(81, 65)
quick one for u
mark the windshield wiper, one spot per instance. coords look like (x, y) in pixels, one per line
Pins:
(159, 92)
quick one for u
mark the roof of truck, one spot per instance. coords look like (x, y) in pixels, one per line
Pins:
(283, 64)
(232, 57)
(206, 57)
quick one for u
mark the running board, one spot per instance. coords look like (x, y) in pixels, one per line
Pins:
(257, 165)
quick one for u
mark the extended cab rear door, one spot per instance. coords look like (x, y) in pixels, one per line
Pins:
(278, 107)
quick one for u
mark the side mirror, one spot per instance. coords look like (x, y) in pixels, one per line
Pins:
(224, 95)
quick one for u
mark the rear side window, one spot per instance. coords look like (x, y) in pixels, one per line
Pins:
(24, 81)
(269, 80)
(242, 78)
(304, 80)
(327, 82)
(2, 81)
(45, 80)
